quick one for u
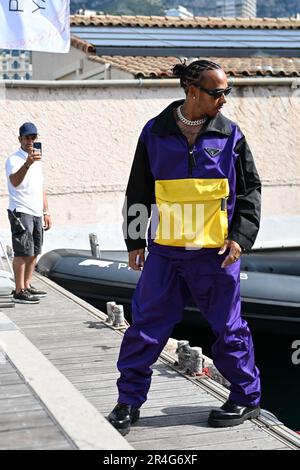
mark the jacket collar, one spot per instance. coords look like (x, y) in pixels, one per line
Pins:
(165, 123)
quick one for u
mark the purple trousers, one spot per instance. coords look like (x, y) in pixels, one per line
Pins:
(157, 305)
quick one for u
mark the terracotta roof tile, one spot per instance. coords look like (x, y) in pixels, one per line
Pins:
(160, 67)
(196, 22)
(81, 44)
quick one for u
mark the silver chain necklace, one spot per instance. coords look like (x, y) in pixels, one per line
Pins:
(197, 122)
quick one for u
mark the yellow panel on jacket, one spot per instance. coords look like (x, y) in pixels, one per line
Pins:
(192, 212)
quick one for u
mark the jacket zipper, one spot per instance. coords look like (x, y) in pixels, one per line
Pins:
(192, 159)
(191, 154)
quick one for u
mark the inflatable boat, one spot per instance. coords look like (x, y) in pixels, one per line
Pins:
(270, 284)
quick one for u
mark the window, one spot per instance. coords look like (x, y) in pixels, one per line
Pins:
(16, 76)
(27, 76)
(15, 64)
(5, 76)
(15, 53)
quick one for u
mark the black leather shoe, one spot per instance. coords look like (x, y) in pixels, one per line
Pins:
(231, 414)
(122, 416)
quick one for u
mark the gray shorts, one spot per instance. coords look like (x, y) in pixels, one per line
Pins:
(26, 242)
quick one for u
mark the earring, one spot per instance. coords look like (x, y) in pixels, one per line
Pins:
(194, 97)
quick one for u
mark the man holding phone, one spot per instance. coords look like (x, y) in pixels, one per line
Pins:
(28, 211)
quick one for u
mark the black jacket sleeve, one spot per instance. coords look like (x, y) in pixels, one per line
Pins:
(246, 217)
(140, 190)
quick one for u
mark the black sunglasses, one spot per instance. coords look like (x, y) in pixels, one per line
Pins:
(216, 93)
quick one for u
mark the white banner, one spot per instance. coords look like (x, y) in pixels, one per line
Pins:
(35, 25)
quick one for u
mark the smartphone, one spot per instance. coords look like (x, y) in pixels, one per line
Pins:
(38, 146)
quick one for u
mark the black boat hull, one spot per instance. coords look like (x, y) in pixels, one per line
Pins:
(270, 302)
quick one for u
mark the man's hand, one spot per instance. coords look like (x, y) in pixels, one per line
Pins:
(136, 259)
(33, 156)
(234, 254)
(47, 222)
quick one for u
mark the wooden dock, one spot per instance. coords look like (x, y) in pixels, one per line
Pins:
(58, 383)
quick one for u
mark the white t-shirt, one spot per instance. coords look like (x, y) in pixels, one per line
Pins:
(28, 196)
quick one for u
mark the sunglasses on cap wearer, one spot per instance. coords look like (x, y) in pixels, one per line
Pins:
(218, 92)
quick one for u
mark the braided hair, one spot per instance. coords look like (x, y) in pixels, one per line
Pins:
(191, 74)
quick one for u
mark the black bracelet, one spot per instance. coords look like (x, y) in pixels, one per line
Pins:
(27, 166)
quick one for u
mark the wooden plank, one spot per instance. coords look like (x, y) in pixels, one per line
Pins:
(228, 438)
(46, 322)
(74, 353)
(77, 358)
(10, 405)
(42, 328)
(78, 353)
(36, 438)
(49, 312)
(66, 334)
(161, 417)
(156, 410)
(194, 428)
(184, 392)
(10, 378)
(100, 365)
(83, 378)
(158, 382)
(283, 448)
(52, 341)
(156, 393)
(25, 419)
(110, 376)
(80, 369)
(74, 341)
(78, 336)
(76, 361)
(164, 402)
(170, 422)
(85, 368)
(84, 346)
(100, 374)
(14, 391)
(92, 346)
(63, 306)
(64, 323)
(54, 446)
(6, 368)
(256, 444)
(71, 327)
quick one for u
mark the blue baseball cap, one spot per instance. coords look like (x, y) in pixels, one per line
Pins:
(28, 128)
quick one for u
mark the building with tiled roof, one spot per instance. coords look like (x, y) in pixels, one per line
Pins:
(160, 67)
(115, 47)
(195, 22)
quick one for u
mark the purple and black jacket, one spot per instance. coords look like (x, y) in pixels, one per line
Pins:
(220, 153)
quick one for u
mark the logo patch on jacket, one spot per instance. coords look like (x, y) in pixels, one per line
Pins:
(213, 152)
